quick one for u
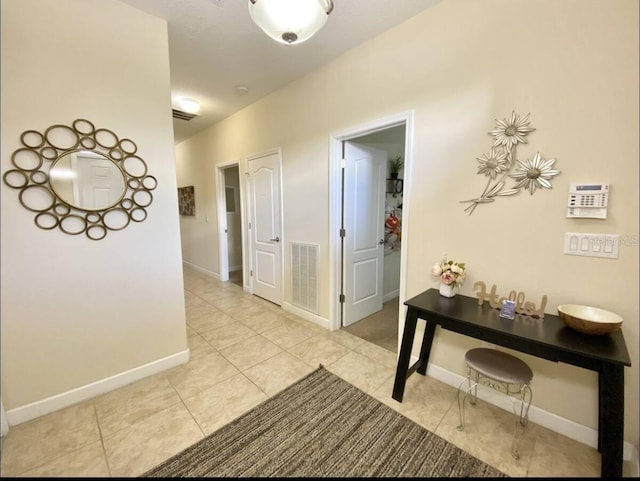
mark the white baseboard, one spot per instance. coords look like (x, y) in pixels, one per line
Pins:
(309, 316)
(391, 295)
(553, 422)
(215, 275)
(235, 268)
(59, 401)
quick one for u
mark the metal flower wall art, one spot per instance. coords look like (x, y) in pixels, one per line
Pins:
(501, 163)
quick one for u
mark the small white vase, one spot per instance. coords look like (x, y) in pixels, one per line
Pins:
(447, 290)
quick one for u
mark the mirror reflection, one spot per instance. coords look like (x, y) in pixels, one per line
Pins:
(87, 180)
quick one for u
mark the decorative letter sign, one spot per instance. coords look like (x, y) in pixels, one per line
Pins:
(522, 307)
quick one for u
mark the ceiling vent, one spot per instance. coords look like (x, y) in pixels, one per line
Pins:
(179, 114)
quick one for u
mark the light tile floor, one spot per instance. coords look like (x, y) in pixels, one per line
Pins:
(243, 350)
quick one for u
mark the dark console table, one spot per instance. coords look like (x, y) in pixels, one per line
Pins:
(547, 338)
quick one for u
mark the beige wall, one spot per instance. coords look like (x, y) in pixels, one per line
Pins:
(572, 64)
(77, 311)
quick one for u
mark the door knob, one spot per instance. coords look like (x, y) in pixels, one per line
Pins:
(275, 239)
(381, 241)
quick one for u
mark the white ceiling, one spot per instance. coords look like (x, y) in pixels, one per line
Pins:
(214, 46)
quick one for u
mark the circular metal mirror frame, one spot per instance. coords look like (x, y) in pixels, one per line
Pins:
(58, 213)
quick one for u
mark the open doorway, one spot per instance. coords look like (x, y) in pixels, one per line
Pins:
(369, 287)
(381, 327)
(230, 224)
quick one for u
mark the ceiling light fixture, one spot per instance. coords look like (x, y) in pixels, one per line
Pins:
(191, 106)
(290, 21)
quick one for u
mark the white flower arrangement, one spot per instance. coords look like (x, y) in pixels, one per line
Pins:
(450, 273)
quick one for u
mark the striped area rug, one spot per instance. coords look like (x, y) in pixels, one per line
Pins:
(322, 426)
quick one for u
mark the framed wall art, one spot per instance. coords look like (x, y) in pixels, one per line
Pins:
(186, 200)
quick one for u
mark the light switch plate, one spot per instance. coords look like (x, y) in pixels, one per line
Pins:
(591, 245)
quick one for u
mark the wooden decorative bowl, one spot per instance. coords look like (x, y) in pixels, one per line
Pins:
(589, 320)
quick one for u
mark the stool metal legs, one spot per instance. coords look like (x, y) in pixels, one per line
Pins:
(471, 387)
(521, 419)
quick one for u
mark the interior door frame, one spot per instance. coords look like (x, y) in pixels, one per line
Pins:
(221, 211)
(245, 221)
(335, 207)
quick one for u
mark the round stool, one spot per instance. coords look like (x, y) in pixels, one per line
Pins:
(504, 373)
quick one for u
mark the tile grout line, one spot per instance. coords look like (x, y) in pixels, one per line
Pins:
(104, 449)
(187, 407)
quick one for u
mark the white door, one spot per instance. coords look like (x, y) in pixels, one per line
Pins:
(364, 178)
(266, 231)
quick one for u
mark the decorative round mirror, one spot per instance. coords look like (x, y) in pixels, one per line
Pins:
(81, 179)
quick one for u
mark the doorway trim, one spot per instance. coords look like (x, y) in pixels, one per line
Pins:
(221, 211)
(335, 206)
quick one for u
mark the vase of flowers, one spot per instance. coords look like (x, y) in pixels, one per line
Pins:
(447, 290)
(451, 275)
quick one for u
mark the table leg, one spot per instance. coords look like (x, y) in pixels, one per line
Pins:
(405, 353)
(611, 419)
(425, 350)
(601, 408)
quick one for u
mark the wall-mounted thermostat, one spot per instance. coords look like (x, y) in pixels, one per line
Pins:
(588, 201)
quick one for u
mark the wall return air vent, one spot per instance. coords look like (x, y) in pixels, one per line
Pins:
(304, 275)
